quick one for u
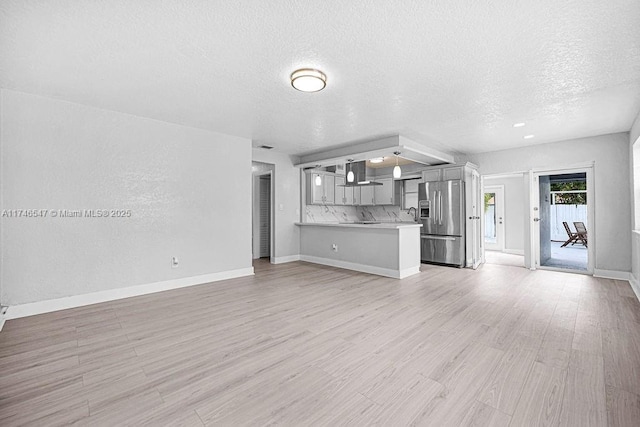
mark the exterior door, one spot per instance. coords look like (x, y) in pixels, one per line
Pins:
(559, 197)
(494, 218)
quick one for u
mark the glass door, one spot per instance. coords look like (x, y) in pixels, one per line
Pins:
(561, 221)
(494, 218)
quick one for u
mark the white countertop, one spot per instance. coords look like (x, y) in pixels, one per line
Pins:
(386, 225)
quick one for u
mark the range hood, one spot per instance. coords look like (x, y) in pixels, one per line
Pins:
(359, 170)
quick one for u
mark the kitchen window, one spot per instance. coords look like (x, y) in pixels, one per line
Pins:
(410, 193)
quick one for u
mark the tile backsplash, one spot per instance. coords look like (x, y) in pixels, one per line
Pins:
(384, 214)
(320, 213)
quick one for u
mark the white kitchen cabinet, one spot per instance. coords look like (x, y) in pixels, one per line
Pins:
(367, 195)
(383, 194)
(329, 189)
(357, 196)
(431, 175)
(449, 174)
(340, 191)
(348, 196)
(320, 191)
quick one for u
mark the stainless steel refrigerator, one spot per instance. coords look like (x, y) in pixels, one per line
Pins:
(441, 211)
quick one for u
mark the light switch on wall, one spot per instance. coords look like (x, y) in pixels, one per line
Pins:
(281, 207)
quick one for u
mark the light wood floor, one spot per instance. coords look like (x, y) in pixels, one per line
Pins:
(300, 344)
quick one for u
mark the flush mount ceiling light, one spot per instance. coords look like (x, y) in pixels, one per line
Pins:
(377, 160)
(528, 136)
(518, 125)
(308, 80)
(397, 172)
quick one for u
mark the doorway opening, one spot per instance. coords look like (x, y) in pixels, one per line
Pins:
(503, 218)
(563, 225)
(262, 211)
(265, 216)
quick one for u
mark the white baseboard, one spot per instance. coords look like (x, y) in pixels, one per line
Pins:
(612, 274)
(2, 320)
(40, 307)
(514, 251)
(635, 285)
(283, 259)
(386, 272)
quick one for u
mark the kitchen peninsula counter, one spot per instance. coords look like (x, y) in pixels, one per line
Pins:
(390, 249)
(367, 224)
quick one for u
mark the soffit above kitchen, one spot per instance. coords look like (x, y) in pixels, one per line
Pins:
(385, 147)
(455, 72)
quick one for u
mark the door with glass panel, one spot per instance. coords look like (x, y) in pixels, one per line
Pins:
(494, 218)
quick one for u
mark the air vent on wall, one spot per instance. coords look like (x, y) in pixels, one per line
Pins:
(265, 147)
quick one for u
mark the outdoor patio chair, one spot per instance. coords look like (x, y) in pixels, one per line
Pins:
(581, 232)
(572, 236)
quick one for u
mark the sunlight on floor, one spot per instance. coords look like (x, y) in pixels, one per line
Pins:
(501, 258)
(569, 257)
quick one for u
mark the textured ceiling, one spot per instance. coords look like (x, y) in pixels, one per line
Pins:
(453, 73)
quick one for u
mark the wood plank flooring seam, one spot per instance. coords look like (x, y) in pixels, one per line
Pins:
(374, 349)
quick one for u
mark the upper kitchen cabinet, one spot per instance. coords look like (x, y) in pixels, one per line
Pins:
(445, 173)
(341, 191)
(432, 175)
(357, 196)
(320, 188)
(348, 196)
(383, 194)
(367, 196)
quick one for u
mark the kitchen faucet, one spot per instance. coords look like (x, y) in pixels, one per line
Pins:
(415, 212)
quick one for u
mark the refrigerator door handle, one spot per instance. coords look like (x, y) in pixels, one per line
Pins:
(440, 207)
(449, 238)
(435, 207)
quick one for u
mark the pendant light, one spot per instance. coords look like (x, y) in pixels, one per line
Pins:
(350, 175)
(397, 172)
(308, 80)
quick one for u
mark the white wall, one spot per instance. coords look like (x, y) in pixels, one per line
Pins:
(612, 190)
(634, 135)
(287, 203)
(514, 210)
(189, 192)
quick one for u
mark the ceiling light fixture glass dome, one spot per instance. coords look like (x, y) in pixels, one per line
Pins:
(308, 80)
(397, 172)
(350, 175)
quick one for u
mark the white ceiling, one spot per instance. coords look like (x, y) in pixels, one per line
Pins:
(451, 73)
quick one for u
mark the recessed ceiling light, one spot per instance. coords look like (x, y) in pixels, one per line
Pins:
(308, 80)
(528, 136)
(377, 160)
(518, 125)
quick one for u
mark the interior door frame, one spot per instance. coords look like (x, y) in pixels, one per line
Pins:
(588, 169)
(272, 243)
(500, 245)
